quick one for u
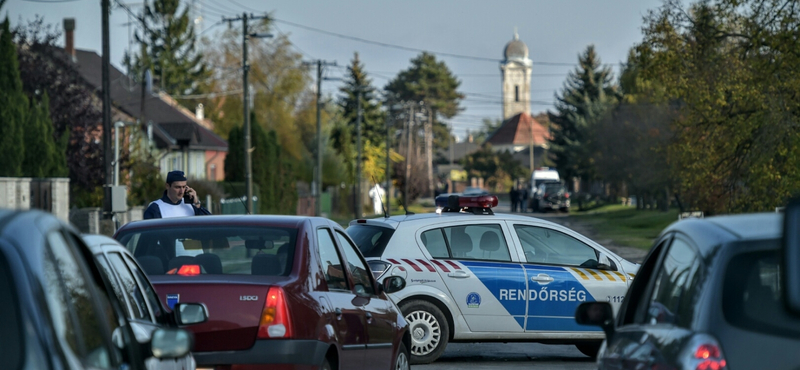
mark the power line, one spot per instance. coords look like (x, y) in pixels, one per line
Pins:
(245, 7)
(406, 48)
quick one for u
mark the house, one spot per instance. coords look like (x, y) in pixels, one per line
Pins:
(183, 140)
(518, 135)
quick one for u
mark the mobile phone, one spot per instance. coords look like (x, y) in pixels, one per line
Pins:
(187, 199)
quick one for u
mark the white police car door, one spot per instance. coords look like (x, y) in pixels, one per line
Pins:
(479, 267)
(562, 272)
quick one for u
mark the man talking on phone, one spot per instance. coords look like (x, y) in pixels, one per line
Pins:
(179, 200)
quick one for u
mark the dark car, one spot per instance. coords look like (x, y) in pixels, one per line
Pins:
(284, 290)
(144, 310)
(55, 304)
(708, 296)
(550, 196)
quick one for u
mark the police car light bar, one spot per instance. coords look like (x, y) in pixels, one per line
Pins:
(479, 204)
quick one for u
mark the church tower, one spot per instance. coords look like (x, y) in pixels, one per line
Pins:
(516, 71)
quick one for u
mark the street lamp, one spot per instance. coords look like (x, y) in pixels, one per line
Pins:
(248, 166)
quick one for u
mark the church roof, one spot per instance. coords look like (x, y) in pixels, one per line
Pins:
(518, 130)
(515, 49)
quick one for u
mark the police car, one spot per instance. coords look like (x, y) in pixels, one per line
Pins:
(476, 276)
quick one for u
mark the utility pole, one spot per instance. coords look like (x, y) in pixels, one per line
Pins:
(388, 168)
(358, 153)
(248, 151)
(106, 110)
(317, 189)
(409, 127)
(429, 150)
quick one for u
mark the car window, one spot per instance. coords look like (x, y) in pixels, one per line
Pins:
(547, 246)
(752, 295)
(147, 289)
(331, 263)
(115, 284)
(433, 240)
(213, 250)
(361, 273)
(477, 242)
(676, 286)
(11, 340)
(76, 317)
(130, 288)
(371, 240)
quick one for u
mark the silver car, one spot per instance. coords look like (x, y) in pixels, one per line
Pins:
(145, 312)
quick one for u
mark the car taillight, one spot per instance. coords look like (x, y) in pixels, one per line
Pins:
(704, 353)
(275, 321)
(378, 267)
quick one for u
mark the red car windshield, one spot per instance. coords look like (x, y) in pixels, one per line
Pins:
(212, 250)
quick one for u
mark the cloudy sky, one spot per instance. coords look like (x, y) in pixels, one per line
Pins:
(468, 35)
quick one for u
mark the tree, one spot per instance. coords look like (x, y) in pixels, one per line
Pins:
(585, 98)
(282, 100)
(171, 51)
(38, 139)
(430, 81)
(730, 66)
(495, 168)
(13, 106)
(74, 110)
(489, 127)
(373, 129)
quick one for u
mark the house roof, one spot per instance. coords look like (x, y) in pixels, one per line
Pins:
(518, 130)
(173, 126)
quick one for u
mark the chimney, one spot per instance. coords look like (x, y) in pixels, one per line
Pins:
(198, 112)
(69, 34)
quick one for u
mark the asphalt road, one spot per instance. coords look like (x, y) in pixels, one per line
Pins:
(485, 356)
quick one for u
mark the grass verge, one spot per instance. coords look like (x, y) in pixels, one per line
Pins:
(627, 225)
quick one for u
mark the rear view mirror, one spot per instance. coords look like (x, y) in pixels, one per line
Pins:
(393, 284)
(171, 343)
(791, 256)
(190, 313)
(596, 314)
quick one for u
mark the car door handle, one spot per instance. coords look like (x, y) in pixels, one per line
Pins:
(338, 312)
(369, 317)
(542, 278)
(458, 274)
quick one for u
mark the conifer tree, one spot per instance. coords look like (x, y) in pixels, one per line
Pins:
(344, 135)
(585, 98)
(13, 106)
(171, 53)
(38, 139)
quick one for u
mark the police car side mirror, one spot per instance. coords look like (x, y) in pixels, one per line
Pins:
(393, 284)
(596, 314)
(791, 256)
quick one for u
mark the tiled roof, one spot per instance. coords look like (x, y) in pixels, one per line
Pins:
(127, 97)
(518, 130)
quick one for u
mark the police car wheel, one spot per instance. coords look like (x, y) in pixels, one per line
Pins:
(589, 349)
(428, 328)
(401, 362)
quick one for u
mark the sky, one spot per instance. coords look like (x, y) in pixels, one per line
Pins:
(473, 33)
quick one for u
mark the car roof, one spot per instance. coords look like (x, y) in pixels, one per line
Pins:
(97, 243)
(712, 231)
(224, 220)
(395, 221)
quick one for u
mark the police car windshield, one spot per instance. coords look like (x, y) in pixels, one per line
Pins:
(371, 240)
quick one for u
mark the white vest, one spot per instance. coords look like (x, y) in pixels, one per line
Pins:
(174, 210)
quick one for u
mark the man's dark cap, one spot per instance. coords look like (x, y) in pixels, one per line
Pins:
(175, 176)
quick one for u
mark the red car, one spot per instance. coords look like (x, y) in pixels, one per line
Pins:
(282, 292)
